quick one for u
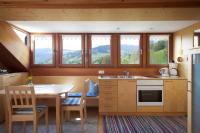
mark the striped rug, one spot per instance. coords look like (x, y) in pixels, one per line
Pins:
(145, 124)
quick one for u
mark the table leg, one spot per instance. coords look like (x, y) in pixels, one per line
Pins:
(58, 126)
(6, 115)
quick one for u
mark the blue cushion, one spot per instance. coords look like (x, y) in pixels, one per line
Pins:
(93, 90)
(74, 94)
(39, 108)
(72, 101)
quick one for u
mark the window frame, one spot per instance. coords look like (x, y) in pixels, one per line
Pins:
(170, 50)
(82, 51)
(33, 51)
(119, 51)
(89, 46)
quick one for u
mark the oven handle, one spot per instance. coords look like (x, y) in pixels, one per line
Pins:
(150, 88)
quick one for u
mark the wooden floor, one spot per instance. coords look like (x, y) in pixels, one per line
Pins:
(72, 126)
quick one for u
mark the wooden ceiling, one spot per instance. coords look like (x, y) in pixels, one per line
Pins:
(119, 14)
(98, 3)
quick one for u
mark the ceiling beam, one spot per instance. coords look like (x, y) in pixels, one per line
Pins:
(120, 14)
(87, 4)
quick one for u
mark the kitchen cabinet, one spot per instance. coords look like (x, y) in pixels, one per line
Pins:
(108, 95)
(175, 96)
(120, 96)
(10, 79)
(150, 109)
(126, 96)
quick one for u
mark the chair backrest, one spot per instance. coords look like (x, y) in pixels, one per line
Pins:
(85, 88)
(20, 97)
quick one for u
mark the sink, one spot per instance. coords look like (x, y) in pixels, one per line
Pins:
(131, 77)
(108, 77)
(124, 77)
(137, 77)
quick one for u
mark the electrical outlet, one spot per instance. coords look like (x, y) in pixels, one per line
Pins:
(101, 71)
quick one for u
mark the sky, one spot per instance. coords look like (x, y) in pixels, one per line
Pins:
(73, 42)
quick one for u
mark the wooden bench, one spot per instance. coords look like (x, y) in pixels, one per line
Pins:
(92, 101)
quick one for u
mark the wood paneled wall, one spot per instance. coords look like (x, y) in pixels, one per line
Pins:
(13, 53)
(183, 41)
(92, 71)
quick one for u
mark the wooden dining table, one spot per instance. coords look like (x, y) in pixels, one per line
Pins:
(53, 91)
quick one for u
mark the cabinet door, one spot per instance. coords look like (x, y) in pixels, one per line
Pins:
(175, 96)
(107, 96)
(126, 96)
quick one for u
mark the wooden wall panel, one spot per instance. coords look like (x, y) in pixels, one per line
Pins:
(92, 71)
(13, 52)
(183, 41)
(77, 81)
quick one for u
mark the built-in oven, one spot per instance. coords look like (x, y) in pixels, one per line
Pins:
(149, 92)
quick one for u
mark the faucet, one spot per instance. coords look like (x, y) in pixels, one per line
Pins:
(125, 73)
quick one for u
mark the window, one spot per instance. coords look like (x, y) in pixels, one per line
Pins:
(100, 52)
(158, 49)
(43, 50)
(72, 50)
(196, 39)
(130, 49)
(22, 36)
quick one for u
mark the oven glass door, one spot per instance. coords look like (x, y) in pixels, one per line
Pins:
(150, 96)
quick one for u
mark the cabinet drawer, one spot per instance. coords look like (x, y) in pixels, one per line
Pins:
(108, 107)
(108, 82)
(107, 88)
(108, 95)
(149, 108)
(108, 101)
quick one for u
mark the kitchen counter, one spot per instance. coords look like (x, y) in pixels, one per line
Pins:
(166, 94)
(141, 77)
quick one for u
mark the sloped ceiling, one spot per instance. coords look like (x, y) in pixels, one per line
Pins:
(13, 53)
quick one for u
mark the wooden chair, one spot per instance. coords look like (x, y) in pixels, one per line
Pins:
(21, 104)
(77, 104)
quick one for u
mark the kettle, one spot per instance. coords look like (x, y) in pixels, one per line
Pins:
(164, 72)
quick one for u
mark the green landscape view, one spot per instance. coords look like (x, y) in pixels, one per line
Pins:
(159, 52)
(129, 54)
(101, 54)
